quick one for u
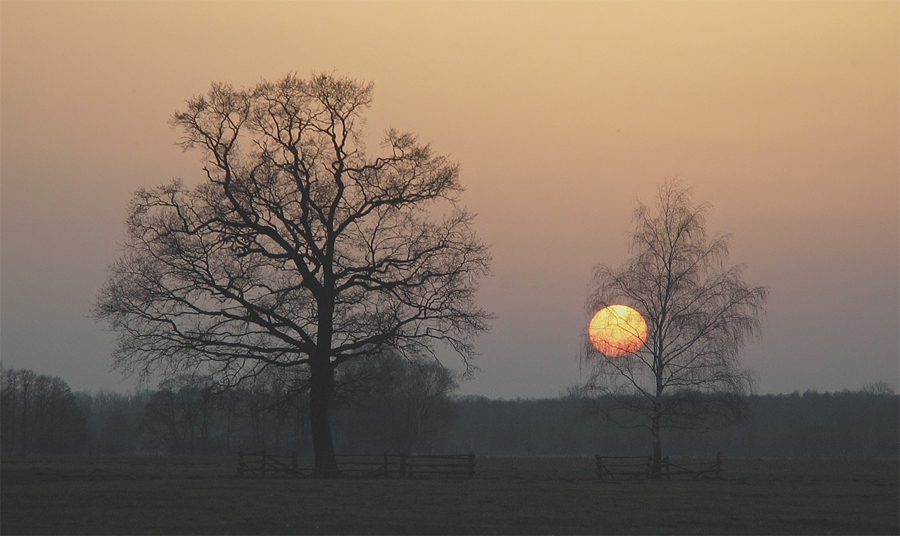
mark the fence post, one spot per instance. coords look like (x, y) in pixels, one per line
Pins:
(599, 460)
(650, 466)
(718, 463)
(241, 464)
(402, 465)
(262, 466)
(471, 459)
(666, 462)
(294, 466)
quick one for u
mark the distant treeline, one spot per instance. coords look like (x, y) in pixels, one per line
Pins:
(812, 424)
(398, 407)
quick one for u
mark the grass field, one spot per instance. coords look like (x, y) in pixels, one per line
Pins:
(164, 495)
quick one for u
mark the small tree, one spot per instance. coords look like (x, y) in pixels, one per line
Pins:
(406, 401)
(699, 314)
(40, 415)
(181, 412)
(298, 250)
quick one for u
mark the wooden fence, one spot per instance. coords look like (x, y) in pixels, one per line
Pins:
(630, 467)
(260, 464)
(362, 465)
(407, 466)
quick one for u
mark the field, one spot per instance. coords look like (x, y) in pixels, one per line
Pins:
(166, 495)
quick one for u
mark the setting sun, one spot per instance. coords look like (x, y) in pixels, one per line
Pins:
(617, 331)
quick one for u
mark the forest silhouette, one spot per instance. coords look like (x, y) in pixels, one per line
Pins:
(41, 415)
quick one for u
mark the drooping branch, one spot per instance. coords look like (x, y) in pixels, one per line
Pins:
(699, 313)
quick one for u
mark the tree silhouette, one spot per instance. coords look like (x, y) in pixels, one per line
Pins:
(40, 415)
(699, 314)
(404, 400)
(180, 413)
(297, 250)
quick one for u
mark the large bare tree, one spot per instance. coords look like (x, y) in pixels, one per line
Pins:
(297, 249)
(699, 313)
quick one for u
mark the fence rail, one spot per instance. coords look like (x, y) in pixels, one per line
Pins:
(260, 463)
(401, 465)
(633, 467)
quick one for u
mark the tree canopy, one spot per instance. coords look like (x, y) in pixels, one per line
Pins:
(298, 249)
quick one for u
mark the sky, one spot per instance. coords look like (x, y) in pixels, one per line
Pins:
(783, 116)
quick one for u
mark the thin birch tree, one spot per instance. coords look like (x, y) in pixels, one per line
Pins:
(699, 313)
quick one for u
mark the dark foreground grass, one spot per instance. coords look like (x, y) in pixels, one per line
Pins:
(149, 495)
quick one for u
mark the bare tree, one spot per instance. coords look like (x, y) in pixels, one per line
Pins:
(274, 405)
(699, 314)
(298, 249)
(406, 400)
(40, 415)
(180, 413)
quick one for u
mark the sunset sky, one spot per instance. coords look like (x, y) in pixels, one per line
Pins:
(783, 116)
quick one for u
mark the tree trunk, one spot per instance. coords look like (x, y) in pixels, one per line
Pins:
(656, 465)
(656, 468)
(321, 391)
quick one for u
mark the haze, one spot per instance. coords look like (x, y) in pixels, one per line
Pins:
(784, 116)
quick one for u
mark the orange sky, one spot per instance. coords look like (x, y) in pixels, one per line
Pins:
(783, 115)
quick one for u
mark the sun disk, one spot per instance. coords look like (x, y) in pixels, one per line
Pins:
(617, 331)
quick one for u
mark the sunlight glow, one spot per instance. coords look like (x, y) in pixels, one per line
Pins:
(617, 331)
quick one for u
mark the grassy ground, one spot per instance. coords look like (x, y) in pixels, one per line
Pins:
(149, 495)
